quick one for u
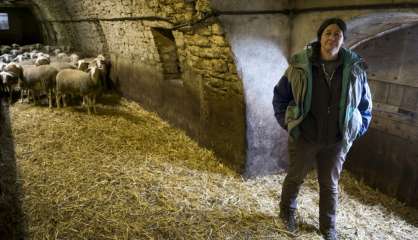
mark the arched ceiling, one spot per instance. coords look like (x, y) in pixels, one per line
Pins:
(365, 28)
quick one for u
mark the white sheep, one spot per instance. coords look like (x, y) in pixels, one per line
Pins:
(10, 76)
(42, 60)
(56, 51)
(85, 84)
(9, 82)
(83, 64)
(37, 79)
(20, 58)
(6, 58)
(2, 65)
(62, 65)
(14, 68)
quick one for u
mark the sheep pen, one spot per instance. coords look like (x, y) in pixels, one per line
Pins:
(126, 174)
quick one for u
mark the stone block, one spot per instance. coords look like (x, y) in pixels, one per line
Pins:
(179, 5)
(203, 64)
(219, 66)
(198, 40)
(204, 31)
(218, 41)
(217, 29)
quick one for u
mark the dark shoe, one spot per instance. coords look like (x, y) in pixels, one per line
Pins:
(289, 221)
(329, 234)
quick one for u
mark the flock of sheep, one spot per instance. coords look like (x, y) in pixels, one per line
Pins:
(38, 69)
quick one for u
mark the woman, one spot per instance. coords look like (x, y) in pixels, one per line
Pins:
(324, 102)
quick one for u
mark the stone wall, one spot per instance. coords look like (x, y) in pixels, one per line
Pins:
(207, 100)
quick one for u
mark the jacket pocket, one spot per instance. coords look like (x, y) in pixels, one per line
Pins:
(292, 113)
(292, 117)
(354, 125)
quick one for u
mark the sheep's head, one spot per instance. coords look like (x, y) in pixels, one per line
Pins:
(82, 65)
(94, 74)
(3, 77)
(7, 76)
(42, 61)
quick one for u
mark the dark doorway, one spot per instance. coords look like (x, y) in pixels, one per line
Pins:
(22, 27)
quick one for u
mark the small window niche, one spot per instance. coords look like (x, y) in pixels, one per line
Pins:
(167, 50)
(4, 21)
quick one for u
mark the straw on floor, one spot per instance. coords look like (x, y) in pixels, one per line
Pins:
(125, 174)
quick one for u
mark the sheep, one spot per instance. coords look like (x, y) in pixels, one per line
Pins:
(74, 58)
(103, 66)
(9, 81)
(5, 49)
(72, 81)
(15, 46)
(31, 47)
(33, 54)
(10, 76)
(83, 65)
(41, 54)
(62, 65)
(39, 78)
(20, 58)
(47, 48)
(43, 60)
(99, 62)
(15, 52)
(65, 48)
(56, 51)
(6, 58)
(63, 57)
(27, 55)
(27, 62)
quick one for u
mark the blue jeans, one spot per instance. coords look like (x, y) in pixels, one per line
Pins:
(329, 160)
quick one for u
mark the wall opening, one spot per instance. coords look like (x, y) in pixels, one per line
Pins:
(4, 21)
(19, 25)
(167, 50)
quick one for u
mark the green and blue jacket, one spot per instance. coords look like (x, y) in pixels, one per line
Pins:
(293, 96)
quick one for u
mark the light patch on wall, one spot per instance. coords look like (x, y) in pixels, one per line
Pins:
(4, 21)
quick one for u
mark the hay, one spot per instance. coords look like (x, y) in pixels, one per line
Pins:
(125, 174)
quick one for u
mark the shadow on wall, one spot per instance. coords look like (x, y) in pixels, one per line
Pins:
(11, 216)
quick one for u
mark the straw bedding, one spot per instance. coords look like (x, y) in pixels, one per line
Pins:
(126, 174)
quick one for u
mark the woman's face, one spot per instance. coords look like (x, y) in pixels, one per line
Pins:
(332, 38)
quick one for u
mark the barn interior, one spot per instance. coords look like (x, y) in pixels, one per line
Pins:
(184, 143)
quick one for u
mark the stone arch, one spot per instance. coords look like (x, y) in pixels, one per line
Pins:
(369, 26)
(387, 41)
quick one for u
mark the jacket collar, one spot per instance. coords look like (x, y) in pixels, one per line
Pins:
(306, 57)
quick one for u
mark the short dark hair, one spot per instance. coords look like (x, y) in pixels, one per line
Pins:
(341, 24)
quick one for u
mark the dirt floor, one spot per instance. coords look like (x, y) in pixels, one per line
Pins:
(125, 174)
